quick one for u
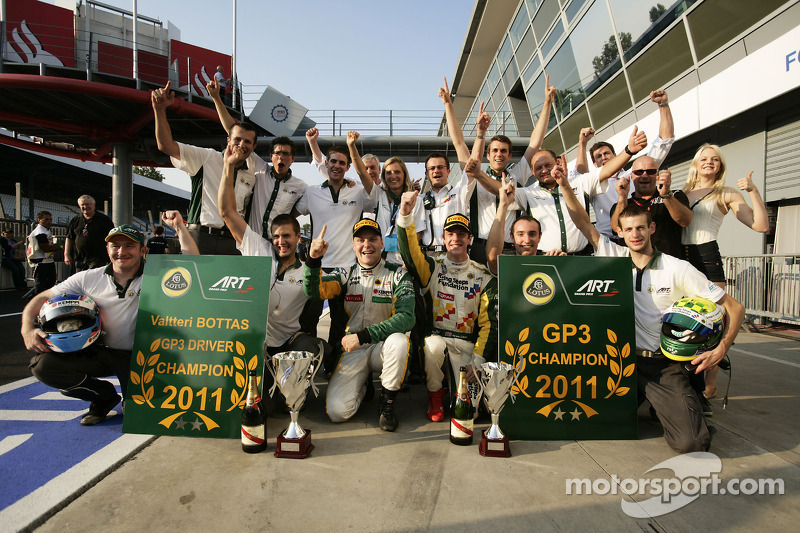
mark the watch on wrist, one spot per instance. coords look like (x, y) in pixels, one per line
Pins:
(670, 194)
(628, 151)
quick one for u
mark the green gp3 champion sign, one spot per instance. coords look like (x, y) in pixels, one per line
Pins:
(201, 327)
(567, 325)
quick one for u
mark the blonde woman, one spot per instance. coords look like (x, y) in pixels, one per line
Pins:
(710, 201)
(394, 182)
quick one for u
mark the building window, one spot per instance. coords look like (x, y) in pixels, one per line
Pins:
(715, 22)
(610, 102)
(544, 18)
(520, 24)
(664, 61)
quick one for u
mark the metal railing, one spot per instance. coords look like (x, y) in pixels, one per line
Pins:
(767, 285)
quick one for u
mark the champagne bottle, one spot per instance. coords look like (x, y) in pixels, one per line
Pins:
(253, 424)
(461, 420)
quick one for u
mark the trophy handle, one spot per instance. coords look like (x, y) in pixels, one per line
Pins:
(516, 380)
(269, 365)
(478, 371)
(317, 365)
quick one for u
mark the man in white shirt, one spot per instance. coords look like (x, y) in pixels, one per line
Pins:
(204, 165)
(40, 252)
(603, 152)
(286, 296)
(660, 280)
(115, 289)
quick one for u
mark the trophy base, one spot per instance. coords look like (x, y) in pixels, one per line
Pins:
(294, 448)
(494, 447)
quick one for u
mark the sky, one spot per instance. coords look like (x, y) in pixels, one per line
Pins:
(365, 54)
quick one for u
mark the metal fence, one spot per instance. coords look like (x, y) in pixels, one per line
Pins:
(767, 285)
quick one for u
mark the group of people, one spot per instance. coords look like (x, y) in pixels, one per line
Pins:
(408, 271)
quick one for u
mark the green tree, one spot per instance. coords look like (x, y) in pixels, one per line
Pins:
(610, 52)
(149, 172)
(656, 11)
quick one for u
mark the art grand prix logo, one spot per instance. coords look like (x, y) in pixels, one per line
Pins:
(176, 282)
(236, 284)
(538, 288)
(597, 287)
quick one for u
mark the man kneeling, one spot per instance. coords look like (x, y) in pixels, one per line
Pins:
(379, 301)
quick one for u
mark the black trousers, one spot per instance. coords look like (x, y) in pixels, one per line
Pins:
(75, 374)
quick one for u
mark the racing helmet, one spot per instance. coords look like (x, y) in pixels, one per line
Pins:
(71, 321)
(690, 327)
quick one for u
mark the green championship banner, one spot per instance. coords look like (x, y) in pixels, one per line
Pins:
(567, 325)
(200, 329)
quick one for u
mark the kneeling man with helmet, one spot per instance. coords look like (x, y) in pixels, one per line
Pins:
(679, 321)
(63, 326)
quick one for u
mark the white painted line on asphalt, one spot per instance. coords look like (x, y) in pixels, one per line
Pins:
(50, 496)
(39, 416)
(17, 384)
(55, 395)
(768, 358)
(11, 314)
(12, 441)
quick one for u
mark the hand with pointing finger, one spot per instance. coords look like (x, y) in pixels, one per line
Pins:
(319, 245)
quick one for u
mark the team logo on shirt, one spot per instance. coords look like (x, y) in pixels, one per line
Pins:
(538, 288)
(353, 298)
(176, 282)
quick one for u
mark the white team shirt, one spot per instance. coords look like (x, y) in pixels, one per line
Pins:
(193, 158)
(290, 190)
(664, 281)
(556, 222)
(487, 202)
(118, 315)
(286, 296)
(340, 215)
(449, 200)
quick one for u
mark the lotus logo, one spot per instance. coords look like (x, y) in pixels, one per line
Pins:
(538, 288)
(176, 282)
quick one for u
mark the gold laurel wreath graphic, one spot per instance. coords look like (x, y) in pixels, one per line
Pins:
(518, 360)
(618, 368)
(239, 394)
(145, 375)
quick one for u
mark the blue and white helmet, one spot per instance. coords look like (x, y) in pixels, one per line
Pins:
(71, 321)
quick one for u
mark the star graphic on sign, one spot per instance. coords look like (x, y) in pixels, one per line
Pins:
(197, 424)
(559, 414)
(576, 414)
(180, 423)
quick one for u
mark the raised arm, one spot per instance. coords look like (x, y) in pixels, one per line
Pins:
(224, 117)
(537, 136)
(576, 211)
(175, 221)
(666, 127)
(582, 161)
(453, 127)
(636, 143)
(226, 197)
(161, 99)
(474, 172)
(496, 239)
(623, 187)
(679, 212)
(417, 263)
(482, 126)
(756, 217)
(361, 168)
(312, 136)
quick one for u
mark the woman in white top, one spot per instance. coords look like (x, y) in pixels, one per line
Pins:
(710, 201)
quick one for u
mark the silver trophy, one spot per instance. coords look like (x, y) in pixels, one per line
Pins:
(292, 372)
(496, 380)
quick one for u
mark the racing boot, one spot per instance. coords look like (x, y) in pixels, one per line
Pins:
(435, 407)
(388, 418)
